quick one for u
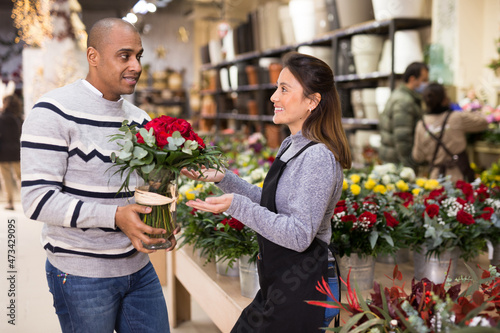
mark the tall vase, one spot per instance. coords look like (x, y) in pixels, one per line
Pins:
(435, 267)
(362, 270)
(222, 267)
(495, 260)
(161, 195)
(249, 277)
(401, 256)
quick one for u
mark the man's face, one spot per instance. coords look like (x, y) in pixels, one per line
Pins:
(119, 66)
(421, 82)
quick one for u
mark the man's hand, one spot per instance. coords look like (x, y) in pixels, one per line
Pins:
(128, 220)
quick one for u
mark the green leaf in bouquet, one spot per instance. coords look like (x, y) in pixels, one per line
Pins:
(148, 136)
(140, 153)
(175, 141)
(388, 238)
(136, 162)
(125, 155)
(129, 136)
(148, 168)
(373, 238)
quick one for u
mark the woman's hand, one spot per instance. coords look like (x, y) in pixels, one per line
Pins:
(212, 204)
(209, 175)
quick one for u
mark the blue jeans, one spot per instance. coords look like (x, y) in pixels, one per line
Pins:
(333, 282)
(133, 303)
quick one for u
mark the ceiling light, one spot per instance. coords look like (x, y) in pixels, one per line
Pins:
(131, 17)
(151, 7)
(140, 7)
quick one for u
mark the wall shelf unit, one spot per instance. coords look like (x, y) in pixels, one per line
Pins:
(231, 102)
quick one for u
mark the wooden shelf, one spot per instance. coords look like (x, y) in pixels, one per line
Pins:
(218, 296)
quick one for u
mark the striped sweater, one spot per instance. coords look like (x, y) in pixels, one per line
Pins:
(68, 182)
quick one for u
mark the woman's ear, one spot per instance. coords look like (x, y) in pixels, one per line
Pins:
(314, 100)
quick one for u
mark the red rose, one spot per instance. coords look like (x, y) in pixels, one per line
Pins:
(482, 193)
(139, 137)
(390, 220)
(162, 139)
(233, 223)
(339, 209)
(461, 201)
(370, 217)
(432, 210)
(407, 198)
(437, 195)
(348, 218)
(465, 218)
(487, 216)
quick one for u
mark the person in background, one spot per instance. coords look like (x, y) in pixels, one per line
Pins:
(440, 124)
(98, 271)
(401, 113)
(292, 212)
(11, 119)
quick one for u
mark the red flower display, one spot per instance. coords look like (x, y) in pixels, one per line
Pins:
(488, 212)
(432, 210)
(390, 220)
(465, 218)
(233, 223)
(370, 217)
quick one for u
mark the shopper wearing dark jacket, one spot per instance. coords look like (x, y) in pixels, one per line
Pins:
(401, 113)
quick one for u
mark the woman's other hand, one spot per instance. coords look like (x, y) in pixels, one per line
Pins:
(212, 204)
(206, 175)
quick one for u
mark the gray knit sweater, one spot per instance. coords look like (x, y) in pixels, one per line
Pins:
(307, 193)
(67, 182)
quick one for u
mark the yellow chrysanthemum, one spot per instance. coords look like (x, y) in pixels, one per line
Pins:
(420, 182)
(370, 184)
(355, 189)
(497, 178)
(380, 189)
(261, 184)
(431, 184)
(415, 191)
(355, 178)
(402, 186)
(345, 186)
(190, 195)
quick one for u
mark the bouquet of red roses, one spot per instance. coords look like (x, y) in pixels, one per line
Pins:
(157, 153)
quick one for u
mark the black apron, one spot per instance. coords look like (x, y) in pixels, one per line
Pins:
(287, 278)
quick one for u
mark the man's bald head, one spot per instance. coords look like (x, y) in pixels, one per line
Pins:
(101, 29)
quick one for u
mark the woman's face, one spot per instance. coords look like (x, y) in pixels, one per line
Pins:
(291, 108)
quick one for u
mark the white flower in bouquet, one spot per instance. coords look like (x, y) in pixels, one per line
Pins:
(258, 175)
(386, 179)
(407, 174)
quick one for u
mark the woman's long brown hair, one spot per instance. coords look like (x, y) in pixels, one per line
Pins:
(324, 124)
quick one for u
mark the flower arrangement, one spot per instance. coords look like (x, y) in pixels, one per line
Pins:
(448, 217)
(157, 153)
(366, 219)
(427, 308)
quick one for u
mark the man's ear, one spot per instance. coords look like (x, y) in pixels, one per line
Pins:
(92, 56)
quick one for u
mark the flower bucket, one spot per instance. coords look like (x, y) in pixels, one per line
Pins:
(495, 260)
(402, 256)
(161, 195)
(434, 268)
(362, 270)
(249, 277)
(388, 9)
(222, 267)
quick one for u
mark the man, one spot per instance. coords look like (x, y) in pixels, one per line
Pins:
(400, 116)
(97, 269)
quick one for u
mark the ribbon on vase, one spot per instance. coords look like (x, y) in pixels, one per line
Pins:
(155, 199)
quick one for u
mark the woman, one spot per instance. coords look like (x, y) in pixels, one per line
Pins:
(10, 149)
(445, 158)
(292, 212)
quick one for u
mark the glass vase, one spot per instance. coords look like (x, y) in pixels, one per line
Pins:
(160, 193)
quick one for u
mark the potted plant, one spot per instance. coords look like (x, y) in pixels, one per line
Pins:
(428, 307)
(366, 224)
(495, 63)
(444, 225)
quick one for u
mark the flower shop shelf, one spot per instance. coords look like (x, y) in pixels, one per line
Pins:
(219, 296)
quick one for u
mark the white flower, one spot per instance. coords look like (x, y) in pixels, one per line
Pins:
(386, 179)
(479, 321)
(407, 174)
(258, 175)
